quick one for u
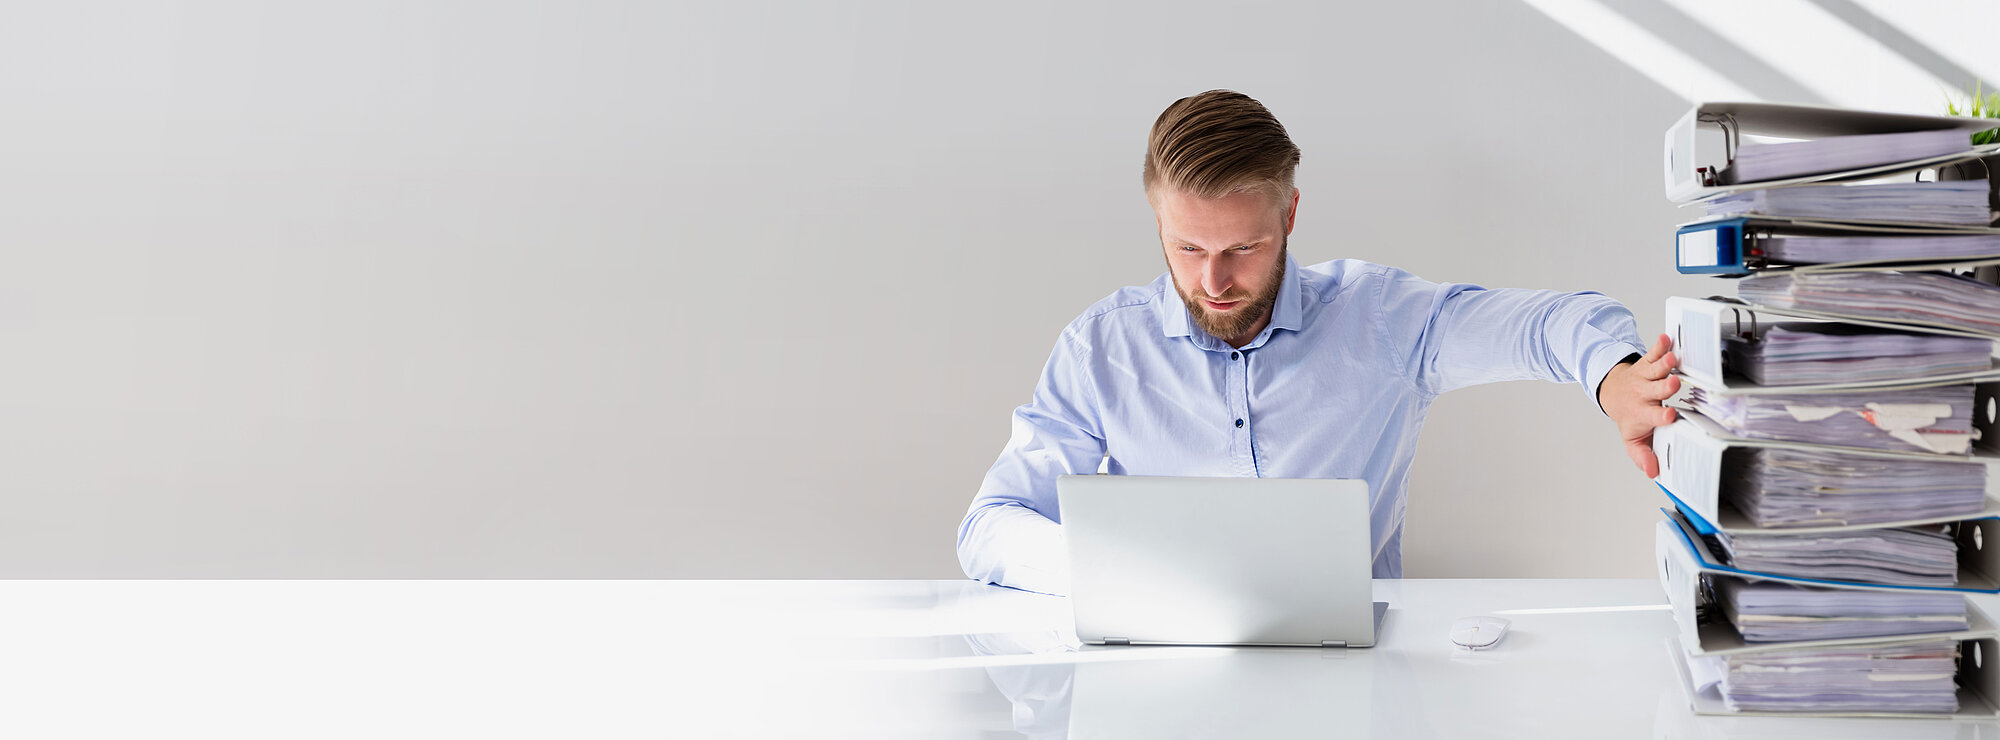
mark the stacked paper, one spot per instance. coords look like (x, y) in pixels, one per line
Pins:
(1819, 637)
(1880, 677)
(1813, 250)
(1767, 611)
(1757, 161)
(1953, 202)
(1931, 298)
(1893, 556)
(1929, 419)
(1845, 445)
(1779, 488)
(1801, 353)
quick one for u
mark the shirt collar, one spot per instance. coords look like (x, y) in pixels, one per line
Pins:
(1288, 313)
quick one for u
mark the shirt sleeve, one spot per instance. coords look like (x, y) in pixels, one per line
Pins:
(1454, 335)
(1012, 535)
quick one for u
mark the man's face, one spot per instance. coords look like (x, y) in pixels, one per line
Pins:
(1227, 256)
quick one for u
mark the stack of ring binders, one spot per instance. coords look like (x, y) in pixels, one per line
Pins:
(1832, 476)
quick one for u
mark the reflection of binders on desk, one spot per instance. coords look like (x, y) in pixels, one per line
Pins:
(1703, 145)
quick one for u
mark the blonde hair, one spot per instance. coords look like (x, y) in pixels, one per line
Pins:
(1218, 143)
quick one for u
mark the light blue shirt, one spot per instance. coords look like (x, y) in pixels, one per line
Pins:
(1335, 387)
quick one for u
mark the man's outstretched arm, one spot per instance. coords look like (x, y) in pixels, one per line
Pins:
(1469, 335)
(1012, 534)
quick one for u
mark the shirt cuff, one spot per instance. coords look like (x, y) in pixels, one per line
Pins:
(1599, 365)
(1043, 562)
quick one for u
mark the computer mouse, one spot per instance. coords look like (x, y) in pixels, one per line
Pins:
(1478, 633)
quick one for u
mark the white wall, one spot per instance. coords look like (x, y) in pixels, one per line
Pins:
(594, 289)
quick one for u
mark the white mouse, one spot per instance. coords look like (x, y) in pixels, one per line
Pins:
(1478, 633)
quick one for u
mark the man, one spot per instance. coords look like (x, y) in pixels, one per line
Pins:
(1238, 362)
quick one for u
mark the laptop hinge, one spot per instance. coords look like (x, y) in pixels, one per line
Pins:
(1333, 643)
(1117, 640)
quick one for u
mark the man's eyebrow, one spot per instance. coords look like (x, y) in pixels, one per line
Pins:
(1184, 242)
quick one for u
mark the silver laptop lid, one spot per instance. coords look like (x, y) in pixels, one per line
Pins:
(1218, 561)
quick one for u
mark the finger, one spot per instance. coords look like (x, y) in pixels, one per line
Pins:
(1639, 427)
(1657, 361)
(1642, 456)
(1659, 368)
(1663, 389)
(1660, 347)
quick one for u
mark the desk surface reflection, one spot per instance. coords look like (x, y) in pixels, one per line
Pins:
(930, 659)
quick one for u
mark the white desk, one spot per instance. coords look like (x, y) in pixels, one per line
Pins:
(932, 659)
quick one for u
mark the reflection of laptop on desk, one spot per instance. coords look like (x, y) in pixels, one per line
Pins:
(1219, 561)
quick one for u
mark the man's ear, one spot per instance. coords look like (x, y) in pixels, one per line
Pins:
(1292, 218)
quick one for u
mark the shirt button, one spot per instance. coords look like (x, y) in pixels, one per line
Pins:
(1233, 355)
(1239, 423)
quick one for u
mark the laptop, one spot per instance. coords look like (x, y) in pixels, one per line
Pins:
(1219, 561)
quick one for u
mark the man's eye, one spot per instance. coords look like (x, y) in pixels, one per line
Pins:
(1188, 249)
(1245, 248)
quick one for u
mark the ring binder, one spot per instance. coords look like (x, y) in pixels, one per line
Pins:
(1702, 328)
(1692, 452)
(1735, 245)
(1694, 172)
(1839, 324)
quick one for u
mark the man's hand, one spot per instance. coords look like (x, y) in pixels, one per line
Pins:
(1631, 395)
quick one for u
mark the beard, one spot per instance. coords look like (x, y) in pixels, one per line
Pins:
(1236, 322)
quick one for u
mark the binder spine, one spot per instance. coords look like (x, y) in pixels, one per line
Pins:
(1690, 468)
(1681, 580)
(1714, 248)
(1699, 329)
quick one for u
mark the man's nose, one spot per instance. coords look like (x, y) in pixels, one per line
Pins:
(1214, 279)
